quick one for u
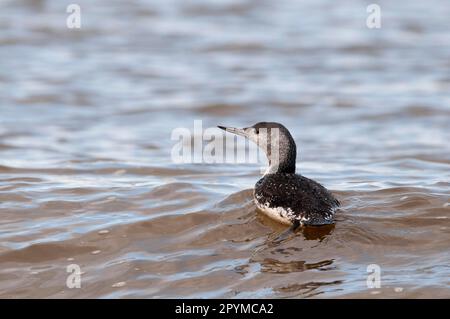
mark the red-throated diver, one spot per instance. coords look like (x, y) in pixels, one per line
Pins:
(282, 194)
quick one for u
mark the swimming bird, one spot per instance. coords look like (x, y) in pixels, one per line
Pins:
(283, 195)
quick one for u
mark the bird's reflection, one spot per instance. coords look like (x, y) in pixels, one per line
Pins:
(315, 232)
(280, 267)
(281, 251)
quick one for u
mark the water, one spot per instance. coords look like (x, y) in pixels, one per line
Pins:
(86, 176)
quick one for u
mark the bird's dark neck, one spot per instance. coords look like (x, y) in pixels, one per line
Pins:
(284, 161)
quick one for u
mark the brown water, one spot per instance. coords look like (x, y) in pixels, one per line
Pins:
(86, 175)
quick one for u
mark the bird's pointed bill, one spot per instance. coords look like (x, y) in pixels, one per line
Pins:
(234, 130)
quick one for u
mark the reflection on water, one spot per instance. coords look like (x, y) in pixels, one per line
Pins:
(273, 265)
(317, 233)
(85, 140)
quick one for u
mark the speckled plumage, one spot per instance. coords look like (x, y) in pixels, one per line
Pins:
(295, 198)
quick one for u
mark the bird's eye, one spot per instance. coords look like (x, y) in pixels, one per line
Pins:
(256, 131)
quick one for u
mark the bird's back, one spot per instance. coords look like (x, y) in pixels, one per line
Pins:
(292, 198)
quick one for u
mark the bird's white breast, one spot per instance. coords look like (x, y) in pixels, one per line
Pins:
(280, 214)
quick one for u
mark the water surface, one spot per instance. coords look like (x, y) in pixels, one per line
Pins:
(86, 175)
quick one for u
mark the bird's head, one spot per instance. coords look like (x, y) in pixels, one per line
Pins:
(274, 139)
